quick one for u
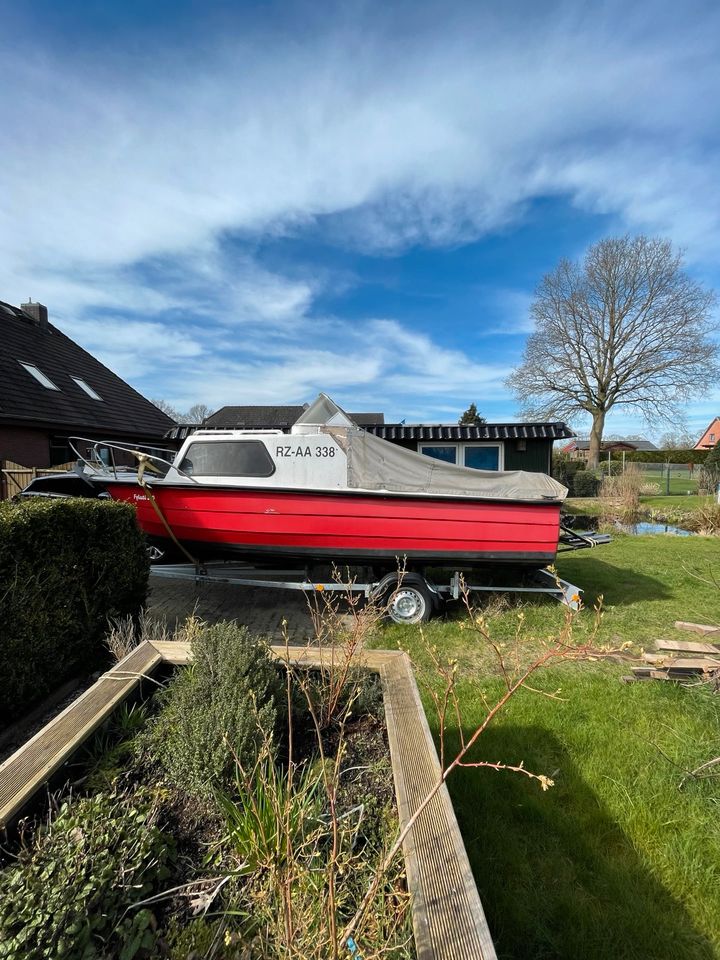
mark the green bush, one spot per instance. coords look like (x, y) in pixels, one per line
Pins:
(585, 484)
(230, 692)
(564, 468)
(69, 896)
(66, 565)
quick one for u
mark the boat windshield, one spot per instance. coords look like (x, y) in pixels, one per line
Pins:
(227, 458)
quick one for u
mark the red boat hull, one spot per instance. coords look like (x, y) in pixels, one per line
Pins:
(360, 528)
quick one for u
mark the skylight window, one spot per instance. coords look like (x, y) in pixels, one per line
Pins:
(87, 388)
(39, 376)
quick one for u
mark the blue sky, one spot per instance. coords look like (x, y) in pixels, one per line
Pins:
(248, 203)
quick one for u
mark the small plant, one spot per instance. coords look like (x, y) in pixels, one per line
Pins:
(273, 814)
(71, 895)
(231, 689)
(342, 624)
(705, 519)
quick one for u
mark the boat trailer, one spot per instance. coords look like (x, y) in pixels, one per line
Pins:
(411, 597)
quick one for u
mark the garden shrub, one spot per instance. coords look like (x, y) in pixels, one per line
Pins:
(564, 468)
(68, 896)
(709, 473)
(66, 565)
(585, 484)
(230, 692)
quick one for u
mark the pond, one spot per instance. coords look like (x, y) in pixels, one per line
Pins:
(645, 527)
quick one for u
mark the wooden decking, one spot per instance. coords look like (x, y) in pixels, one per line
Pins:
(448, 918)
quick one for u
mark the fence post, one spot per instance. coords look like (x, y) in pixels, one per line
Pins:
(667, 481)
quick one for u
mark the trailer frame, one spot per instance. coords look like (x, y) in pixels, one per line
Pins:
(407, 593)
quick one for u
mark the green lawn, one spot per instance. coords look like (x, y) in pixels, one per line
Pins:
(614, 861)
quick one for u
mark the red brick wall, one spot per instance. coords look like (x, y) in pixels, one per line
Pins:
(23, 445)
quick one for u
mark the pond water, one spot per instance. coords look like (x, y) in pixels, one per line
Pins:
(644, 527)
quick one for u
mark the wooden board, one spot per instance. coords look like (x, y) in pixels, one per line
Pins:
(682, 663)
(34, 763)
(688, 646)
(703, 628)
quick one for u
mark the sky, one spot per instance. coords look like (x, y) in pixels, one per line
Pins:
(238, 203)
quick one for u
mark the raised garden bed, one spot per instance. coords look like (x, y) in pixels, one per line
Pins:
(447, 916)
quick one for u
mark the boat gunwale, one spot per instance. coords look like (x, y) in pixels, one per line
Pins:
(324, 492)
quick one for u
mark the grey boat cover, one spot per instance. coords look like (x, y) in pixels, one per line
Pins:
(377, 464)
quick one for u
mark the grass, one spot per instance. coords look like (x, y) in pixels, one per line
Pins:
(615, 860)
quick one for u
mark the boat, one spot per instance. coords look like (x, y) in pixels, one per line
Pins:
(328, 492)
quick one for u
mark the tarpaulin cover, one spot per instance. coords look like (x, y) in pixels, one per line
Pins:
(376, 464)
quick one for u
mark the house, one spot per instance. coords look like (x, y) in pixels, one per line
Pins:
(711, 437)
(51, 389)
(258, 418)
(578, 449)
(486, 446)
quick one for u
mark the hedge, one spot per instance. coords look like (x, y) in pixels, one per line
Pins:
(658, 456)
(66, 565)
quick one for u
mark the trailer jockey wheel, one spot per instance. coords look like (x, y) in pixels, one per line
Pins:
(409, 603)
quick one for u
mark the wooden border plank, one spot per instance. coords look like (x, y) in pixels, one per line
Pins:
(35, 762)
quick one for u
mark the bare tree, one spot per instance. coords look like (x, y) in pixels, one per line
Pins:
(167, 408)
(678, 439)
(198, 412)
(626, 327)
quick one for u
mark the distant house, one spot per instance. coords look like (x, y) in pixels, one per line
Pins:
(578, 449)
(51, 389)
(711, 437)
(486, 446)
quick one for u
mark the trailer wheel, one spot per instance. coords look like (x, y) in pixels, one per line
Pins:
(409, 603)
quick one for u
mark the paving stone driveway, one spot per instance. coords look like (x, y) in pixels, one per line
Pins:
(261, 610)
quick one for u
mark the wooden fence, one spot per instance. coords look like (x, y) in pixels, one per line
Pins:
(14, 477)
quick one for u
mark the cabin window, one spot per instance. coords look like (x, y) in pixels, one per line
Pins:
(484, 456)
(228, 458)
(447, 452)
(478, 456)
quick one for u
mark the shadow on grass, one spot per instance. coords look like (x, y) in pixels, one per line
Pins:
(618, 585)
(558, 878)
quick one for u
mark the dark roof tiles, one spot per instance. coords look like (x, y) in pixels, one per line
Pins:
(482, 431)
(23, 399)
(270, 418)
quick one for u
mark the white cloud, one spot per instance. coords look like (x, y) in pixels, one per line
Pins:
(122, 178)
(125, 161)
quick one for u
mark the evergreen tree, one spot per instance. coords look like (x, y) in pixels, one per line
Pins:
(471, 416)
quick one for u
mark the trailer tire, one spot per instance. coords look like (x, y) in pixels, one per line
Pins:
(409, 603)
